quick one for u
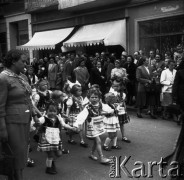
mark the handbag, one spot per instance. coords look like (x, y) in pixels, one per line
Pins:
(6, 162)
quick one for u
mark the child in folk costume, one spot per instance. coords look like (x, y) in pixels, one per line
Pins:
(111, 123)
(94, 113)
(117, 89)
(44, 94)
(50, 141)
(74, 107)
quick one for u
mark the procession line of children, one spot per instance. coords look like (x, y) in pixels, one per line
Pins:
(69, 111)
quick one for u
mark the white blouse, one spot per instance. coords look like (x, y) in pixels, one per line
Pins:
(167, 79)
(82, 116)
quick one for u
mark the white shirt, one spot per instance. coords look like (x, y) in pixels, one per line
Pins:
(167, 79)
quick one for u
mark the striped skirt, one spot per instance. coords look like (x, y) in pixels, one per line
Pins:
(111, 124)
(44, 146)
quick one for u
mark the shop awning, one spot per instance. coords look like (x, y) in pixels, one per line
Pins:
(46, 39)
(108, 33)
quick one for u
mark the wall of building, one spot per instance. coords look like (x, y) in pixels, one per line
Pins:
(155, 10)
(57, 19)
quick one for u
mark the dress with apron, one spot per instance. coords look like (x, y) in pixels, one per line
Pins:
(50, 135)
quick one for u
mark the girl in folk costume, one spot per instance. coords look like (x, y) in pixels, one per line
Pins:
(94, 114)
(44, 94)
(50, 141)
(118, 90)
(111, 123)
(74, 107)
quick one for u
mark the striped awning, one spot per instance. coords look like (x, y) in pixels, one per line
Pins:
(107, 33)
(46, 39)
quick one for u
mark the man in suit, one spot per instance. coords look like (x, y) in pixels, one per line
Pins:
(97, 76)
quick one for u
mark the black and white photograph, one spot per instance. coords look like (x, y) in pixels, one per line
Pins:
(91, 89)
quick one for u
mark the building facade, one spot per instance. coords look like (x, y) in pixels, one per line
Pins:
(154, 24)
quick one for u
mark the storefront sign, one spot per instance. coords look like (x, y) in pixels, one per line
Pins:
(37, 4)
(70, 3)
(170, 8)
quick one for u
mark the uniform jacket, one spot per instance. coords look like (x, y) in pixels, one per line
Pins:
(15, 102)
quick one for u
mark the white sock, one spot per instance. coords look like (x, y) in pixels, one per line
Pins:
(107, 141)
(49, 162)
(114, 141)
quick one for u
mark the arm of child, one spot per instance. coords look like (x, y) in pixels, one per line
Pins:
(82, 116)
(41, 120)
(63, 124)
(106, 109)
(69, 104)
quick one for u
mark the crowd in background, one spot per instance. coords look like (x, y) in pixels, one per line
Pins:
(152, 93)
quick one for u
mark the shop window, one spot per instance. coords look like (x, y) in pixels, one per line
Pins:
(162, 34)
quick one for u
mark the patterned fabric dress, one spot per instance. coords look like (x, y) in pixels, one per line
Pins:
(95, 121)
(75, 105)
(111, 123)
(49, 142)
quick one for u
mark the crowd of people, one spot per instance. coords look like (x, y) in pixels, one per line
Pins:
(80, 94)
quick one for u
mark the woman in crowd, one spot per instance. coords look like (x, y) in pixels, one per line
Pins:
(131, 71)
(167, 80)
(143, 75)
(118, 71)
(60, 77)
(52, 73)
(15, 109)
(82, 75)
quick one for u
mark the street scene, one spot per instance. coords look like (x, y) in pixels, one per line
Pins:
(150, 140)
(91, 89)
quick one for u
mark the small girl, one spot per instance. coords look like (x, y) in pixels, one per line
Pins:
(117, 89)
(111, 123)
(50, 141)
(74, 107)
(94, 114)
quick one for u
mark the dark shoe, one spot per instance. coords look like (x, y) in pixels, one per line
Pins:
(65, 151)
(50, 170)
(72, 142)
(30, 162)
(54, 166)
(115, 147)
(125, 139)
(148, 113)
(83, 144)
(153, 116)
(139, 115)
(106, 148)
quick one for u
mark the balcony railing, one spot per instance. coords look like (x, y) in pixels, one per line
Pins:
(31, 5)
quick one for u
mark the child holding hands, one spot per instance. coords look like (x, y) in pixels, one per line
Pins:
(50, 141)
(94, 114)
